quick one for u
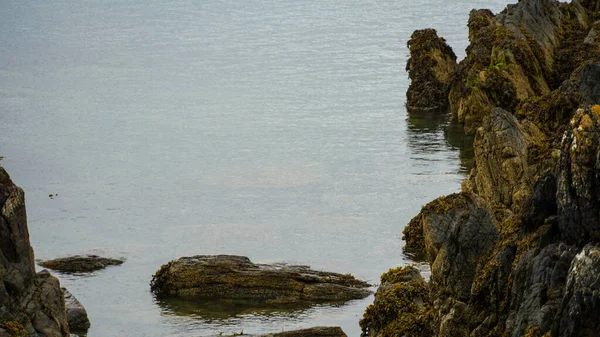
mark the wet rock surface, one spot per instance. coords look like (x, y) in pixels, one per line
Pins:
(80, 263)
(76, 314)
(31, 303)
(236, 277)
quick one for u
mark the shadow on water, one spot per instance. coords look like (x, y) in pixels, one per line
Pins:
(436, 131)
(215, 310)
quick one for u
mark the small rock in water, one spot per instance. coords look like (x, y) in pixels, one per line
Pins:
(80, 263)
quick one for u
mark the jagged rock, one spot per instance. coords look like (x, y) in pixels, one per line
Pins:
(501, 152)
(589, 83)
(30, 303)
(429, 67)
(537, 289)
(236, 277)
(578, 196)
(458, 232)
(401, 306)
(581, 302)
(76, 313)
(80, 263)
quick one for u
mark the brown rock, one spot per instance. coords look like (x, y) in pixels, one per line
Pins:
(236, 277)
(80, 263)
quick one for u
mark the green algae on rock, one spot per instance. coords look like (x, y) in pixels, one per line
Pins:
(236, 277)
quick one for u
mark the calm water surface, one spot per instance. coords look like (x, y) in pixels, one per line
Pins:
(271, 129)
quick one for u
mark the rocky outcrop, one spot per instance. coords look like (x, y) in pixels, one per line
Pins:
(76, 314)
(30, 304)
(236, 277)
(516, 252)
(429, 67)
(401, 306)
(526, 51)
(578, 196)
(80, 263)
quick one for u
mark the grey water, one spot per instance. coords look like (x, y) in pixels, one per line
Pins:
(270, 129)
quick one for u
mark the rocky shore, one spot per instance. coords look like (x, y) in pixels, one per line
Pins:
(516, 252)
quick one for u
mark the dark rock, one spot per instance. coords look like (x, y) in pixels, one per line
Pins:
(30, 304)
(459, 232)
(429, 67)
(543, 201)
(589, 83)
(537, 289)
(235, 277)
(80, 263)
(581, 302)
(578, 195)
(76, 313)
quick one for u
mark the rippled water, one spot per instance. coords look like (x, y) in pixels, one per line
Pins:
(271, 129)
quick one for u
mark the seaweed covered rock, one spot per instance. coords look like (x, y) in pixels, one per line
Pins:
(30, 304)
(236, 277)
(501, 173)
(80, 263)
(429, 66)
(527, 50)
(578, 196)
(401, 306)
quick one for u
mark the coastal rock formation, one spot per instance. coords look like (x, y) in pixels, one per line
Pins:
(80, 263)
(429, 67)
(76, 314)
(30, 304)
(516, 252)
(236, 277)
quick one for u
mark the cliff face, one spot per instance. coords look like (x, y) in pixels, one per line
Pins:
(30, 303)
(517, 252)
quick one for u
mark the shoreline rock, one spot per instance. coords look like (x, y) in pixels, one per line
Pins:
(31, 303)
(318, 331)
(76, 314)
(236, 277)
(80, 263)
(516, 252)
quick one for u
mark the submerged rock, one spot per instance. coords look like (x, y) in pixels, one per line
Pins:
(236, 277)
(76, 313)
(80, 263)
(30, 304)
(429, 67)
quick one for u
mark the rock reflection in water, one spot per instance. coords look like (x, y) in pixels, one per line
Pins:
(434, 131)
(220, 309)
